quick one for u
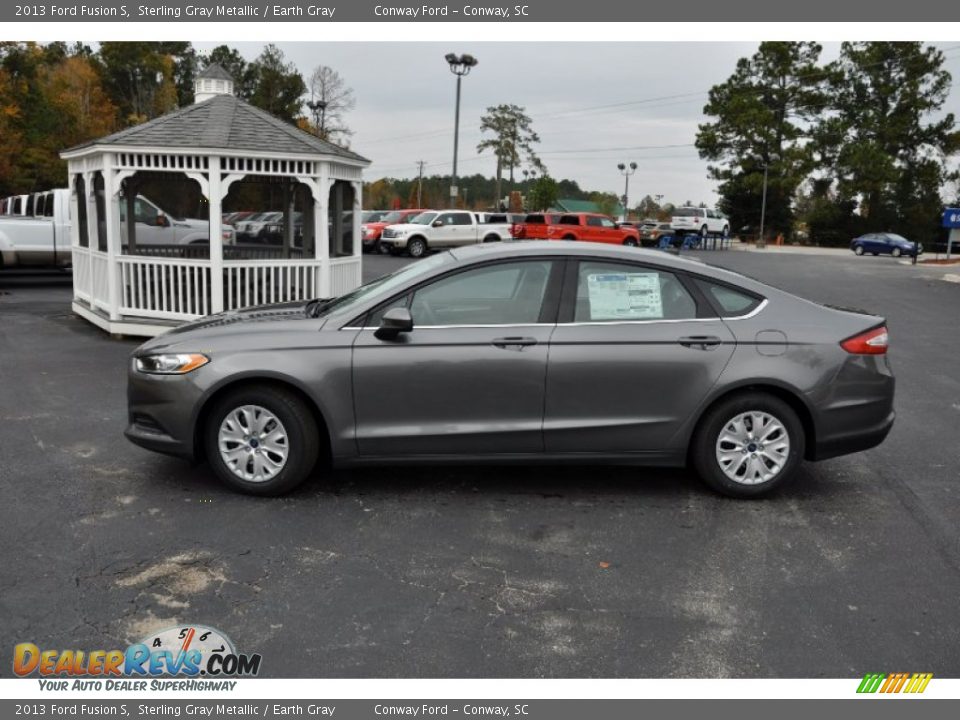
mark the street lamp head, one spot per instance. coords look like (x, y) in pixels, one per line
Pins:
(460, 64)
(633, 166)
(621, 166)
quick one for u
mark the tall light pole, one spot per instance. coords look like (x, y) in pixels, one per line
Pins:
(626, 171)
(460, 65)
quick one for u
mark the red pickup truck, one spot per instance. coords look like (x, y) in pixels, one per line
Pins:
(592, 227)
(536, 226)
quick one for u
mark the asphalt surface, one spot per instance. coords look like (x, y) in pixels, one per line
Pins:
(480, 572)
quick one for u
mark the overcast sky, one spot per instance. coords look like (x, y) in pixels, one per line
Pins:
(593, 105)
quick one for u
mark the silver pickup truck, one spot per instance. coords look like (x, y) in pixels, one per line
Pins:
(41, 238)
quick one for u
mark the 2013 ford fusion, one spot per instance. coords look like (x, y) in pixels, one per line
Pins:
(521, 353)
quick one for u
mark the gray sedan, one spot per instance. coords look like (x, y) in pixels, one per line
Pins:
(533, 352)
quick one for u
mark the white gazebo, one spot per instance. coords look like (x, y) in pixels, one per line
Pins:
(145, 289)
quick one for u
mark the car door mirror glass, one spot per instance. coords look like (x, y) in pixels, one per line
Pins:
(162, 221)
(395, 321)
(438, 223)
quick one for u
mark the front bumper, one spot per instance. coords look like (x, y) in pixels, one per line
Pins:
(161, 412)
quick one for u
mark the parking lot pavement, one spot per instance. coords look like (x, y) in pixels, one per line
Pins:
(479, 572)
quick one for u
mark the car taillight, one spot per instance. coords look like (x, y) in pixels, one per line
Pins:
(871, 342)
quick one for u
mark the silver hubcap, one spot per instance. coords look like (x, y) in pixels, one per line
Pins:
(753, 447)
(253, 443)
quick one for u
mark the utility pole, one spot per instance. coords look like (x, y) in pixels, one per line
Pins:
(761, 241)
(420, 165)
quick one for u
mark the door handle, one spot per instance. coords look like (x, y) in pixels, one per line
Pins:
(514, 343)
(700, 342)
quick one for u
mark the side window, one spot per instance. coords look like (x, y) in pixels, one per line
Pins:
(594, 221)
(501, 294)
(447, 219)
(608, 223)
(569, 220)
(48, 210)
(729, 302)
(461, 219)
(145, 212)
(611, 292)
(375, 317)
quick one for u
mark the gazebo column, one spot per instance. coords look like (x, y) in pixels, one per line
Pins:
(215, 203)
(357, 244)
(130, 197)
(321, 219)
(110, 190)
(90, 198)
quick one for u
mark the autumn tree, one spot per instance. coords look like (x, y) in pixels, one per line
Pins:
(512, 140)
(74, 91)
(146, 79)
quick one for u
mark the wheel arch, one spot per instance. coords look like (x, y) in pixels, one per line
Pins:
(275, 381)
(789, 395)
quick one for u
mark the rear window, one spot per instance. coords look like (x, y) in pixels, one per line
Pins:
(729, 302)
(687, 212)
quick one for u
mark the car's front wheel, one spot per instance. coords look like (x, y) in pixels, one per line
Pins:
(630, 242)
(261, 440)
(417, 247)
(748, 444)
(858, 250)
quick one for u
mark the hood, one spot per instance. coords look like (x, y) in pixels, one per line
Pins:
(228, 322)
(191, 223)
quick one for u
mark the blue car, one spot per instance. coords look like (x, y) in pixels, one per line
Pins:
(886, 244)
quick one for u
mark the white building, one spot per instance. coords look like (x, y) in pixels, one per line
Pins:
(219, 142)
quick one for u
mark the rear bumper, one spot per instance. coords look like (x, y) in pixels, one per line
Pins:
(857, 440)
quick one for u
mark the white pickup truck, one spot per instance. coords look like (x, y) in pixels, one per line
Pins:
(435, 229)
(42, 238)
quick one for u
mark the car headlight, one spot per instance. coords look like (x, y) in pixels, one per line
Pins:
(171, 363)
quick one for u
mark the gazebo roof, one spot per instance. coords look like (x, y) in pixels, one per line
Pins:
(223, 122)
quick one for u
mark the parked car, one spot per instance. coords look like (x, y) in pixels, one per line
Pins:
(536, 226)
(156, 226)
(436, 229)
(41, 239)
(521, 352)
(15, 205)
(370, 231)
(650, 233)
(254, 228)
(699, 221)
(592, 227)
(233, 218)
(884, 244)
(371, 216)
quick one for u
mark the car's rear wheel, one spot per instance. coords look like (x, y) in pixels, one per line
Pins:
(491, 238)
(630, 242)
(704, 231)
(261, 440)
(858, 250)
(748, 444)
(896, 252)
(417, 247)
(569, 237)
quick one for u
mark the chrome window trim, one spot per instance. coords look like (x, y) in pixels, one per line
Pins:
(455, 327)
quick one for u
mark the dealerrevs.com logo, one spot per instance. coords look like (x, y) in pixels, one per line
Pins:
(189, 651)
(888, 683)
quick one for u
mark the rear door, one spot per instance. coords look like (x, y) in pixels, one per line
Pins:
(470, 377)
(632, 357)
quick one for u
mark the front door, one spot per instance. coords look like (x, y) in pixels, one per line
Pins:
(632, 363)
(469, 378)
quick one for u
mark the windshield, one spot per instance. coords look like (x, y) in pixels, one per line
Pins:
(422, 219)
(372, 216)
(382, 285)
(393, 217)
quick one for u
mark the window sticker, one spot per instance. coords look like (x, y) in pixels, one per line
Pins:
(625, 296)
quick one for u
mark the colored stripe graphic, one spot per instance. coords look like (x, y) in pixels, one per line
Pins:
(894, 683)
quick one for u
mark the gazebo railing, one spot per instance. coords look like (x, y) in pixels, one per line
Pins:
(179, 289)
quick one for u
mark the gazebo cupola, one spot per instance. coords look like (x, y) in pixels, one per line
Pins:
(212, 81)
(152, 239)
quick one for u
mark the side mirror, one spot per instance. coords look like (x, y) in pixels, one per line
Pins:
(395, 321)
(162, 221)
(438, 223)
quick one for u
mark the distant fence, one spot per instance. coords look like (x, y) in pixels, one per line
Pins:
(201, 251)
